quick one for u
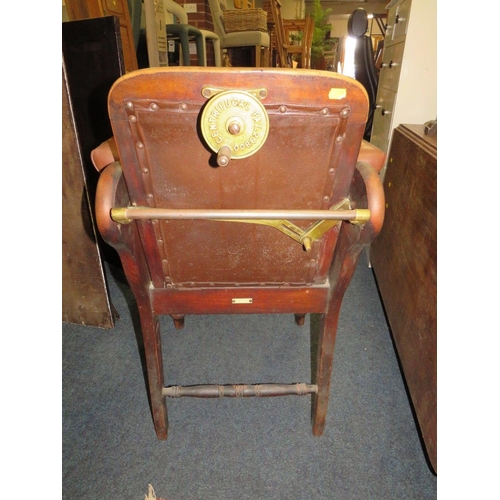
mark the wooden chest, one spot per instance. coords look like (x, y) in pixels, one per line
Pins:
(404, 258)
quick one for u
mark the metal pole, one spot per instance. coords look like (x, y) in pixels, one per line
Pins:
(124, 215)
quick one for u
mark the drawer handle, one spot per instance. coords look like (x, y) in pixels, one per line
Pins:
(384, 111)
(389, 65)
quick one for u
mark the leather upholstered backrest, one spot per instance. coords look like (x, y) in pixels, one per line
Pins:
(315, 127)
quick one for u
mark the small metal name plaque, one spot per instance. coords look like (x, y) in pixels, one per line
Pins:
(242, 301)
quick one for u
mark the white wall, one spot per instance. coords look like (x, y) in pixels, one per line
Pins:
(417, 92)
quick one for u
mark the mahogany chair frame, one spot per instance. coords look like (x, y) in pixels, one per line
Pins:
(151, 199)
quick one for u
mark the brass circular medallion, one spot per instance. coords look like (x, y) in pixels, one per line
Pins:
(235, 119)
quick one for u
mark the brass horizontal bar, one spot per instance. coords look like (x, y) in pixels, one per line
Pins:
(239, 391)
(126, 214)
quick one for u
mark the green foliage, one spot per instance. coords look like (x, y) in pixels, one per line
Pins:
(321, 28)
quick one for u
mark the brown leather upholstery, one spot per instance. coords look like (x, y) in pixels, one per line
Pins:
(372, 155)
(104, 154)
(287, 261)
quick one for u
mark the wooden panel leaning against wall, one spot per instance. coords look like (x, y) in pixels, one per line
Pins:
(84, 296)
(93, 61)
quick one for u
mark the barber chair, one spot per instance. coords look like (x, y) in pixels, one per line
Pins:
(365, 70)
(237, 191)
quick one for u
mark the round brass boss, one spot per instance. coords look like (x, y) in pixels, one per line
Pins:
(235, 119)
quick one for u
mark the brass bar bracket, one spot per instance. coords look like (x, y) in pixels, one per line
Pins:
(208, 91)
(316, 230)
(239, 391)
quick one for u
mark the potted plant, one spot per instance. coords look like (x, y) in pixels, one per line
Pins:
(321, 30)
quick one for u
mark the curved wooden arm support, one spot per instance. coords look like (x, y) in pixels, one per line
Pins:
(111, 192)
(367, 192)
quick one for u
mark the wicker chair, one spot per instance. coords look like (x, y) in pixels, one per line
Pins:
(246, 37)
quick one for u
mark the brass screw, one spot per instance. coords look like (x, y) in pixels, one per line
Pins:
(234, 128)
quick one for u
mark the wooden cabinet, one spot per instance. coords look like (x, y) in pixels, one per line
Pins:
(404, 259)
(86, 9)
(407, 88)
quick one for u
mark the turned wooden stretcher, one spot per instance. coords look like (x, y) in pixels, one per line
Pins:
(238, 191)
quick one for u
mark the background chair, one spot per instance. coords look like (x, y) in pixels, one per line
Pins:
(250, 38)
(183, 31)
(160, 17)
(365, 70)
(291, 37)
(254, 202)
(298, 40)
(279, 36)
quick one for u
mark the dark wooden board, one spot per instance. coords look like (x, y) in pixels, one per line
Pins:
(404, 259)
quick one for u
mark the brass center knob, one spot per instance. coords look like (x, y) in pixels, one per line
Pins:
(234, 128)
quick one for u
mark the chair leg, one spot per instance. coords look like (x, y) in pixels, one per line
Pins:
(217, 52)
(300, 319)
(178, 321)
(200, 50)
(186, 58)
(266, 63)
(341, 272)
(154, 364)
(258, 50)
(326, 345)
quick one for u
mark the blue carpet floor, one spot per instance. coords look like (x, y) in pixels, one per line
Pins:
(255, 448)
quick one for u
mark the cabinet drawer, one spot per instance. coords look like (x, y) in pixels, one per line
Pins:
(397, 22)
(391, 67)
(391, 19)
(382, 117)
(401, 20)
